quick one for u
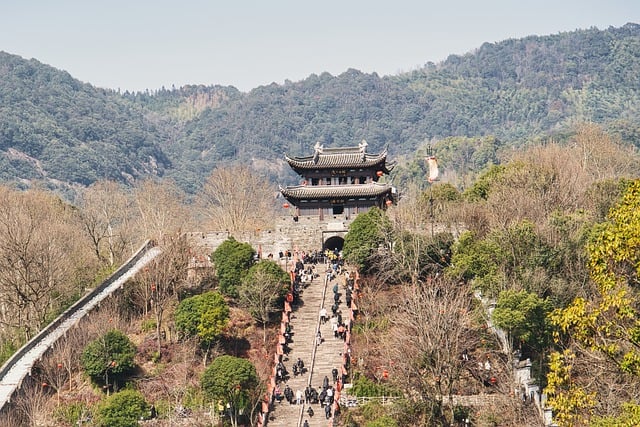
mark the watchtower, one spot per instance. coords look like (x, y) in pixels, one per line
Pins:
(339, 182)
(336, 185)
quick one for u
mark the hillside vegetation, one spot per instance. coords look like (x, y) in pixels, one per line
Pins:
(60, 133)
(537, 209)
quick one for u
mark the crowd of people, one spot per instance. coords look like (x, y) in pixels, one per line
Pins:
(324, 395)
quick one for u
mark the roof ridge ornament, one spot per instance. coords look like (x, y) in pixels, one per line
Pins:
(319, 148)
(363, 149)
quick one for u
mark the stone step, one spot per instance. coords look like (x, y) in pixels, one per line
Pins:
(318, 359)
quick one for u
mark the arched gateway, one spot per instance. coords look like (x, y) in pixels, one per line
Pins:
(336, 185)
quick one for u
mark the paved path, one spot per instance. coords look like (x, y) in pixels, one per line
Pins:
(320, 359)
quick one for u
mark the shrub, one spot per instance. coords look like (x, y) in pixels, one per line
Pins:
(109, 357)
(123, 409)
(204, 316)
(232, 260)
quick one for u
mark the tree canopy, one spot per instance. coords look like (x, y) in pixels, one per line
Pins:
(204, 316)
(366, 233)
(110, 357)
(232, 260)
(233, 381)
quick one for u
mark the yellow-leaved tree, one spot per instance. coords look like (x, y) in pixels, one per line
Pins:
(604, 328)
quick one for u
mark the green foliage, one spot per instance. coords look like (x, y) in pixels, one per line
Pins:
(71, 414)
(364, 387)
(123, 409)
(383, 421)
(233, 381)
(614, 263)
(204, 316)
(468, 156)
(7, 348)
(109, 357)
(482, 186)
(148, 325)
(524, 316)
(232, 260)
(478, 260)
(606, 324)
(512, 91)
(365, 235)
(517, 255)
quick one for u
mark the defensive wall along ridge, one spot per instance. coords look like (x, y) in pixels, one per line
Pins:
(14, 370)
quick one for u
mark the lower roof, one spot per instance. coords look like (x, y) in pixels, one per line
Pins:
(303, 192)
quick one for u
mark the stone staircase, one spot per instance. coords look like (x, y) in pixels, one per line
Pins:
(319, 359)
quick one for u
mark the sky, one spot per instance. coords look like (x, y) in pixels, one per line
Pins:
(148, 44)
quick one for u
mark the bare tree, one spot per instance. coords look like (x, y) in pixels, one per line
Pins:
(161, 281)
(30, 404)
(429, 332)
(105, 212)
(160, 210)
(62, 360)
(260, 290)
(42, 261)
(234, 198)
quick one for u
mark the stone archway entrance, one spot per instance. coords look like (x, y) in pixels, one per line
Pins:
(334, 243)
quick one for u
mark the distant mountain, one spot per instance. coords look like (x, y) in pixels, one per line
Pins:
(61, 133)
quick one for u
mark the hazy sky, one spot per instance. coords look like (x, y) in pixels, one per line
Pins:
(140, 44)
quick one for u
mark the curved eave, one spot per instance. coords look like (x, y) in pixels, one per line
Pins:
(321, 192)
(337, 159)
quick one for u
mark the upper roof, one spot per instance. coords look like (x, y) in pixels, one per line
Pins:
(342, 157)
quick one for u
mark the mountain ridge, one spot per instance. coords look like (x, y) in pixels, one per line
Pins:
(516, 90)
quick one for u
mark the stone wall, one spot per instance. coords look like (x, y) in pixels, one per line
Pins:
(307, 234)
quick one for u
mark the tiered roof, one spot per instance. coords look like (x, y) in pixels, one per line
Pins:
(342, 158)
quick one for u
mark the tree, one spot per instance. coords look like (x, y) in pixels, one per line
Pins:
(105, 212)
(161, 210)
(412, 251)
(235, 198)
(262, 288)
(42, 261)
(524, 316)
(630, 416)
(233, 382)
(430, 327)
(365, 235)
(109, 356)
(204, 316)
(162, 279)
(232, 260)
(123, 409)
(606, 324)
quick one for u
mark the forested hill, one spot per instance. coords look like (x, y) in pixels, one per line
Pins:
(57, 129)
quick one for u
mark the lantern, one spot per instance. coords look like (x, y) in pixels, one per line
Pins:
(379, 173)
(285, 205)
